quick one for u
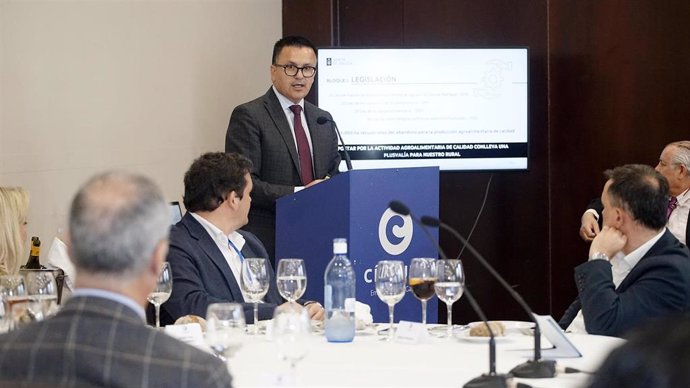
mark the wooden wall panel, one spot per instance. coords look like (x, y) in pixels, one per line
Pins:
(517, 203)
(371, 23)
(609, 84)
(513, 195)
(313, 19)
(619, 90)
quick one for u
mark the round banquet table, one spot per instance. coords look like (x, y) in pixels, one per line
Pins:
(371, 362)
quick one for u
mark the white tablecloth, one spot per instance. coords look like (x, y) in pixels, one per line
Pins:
(369, 362)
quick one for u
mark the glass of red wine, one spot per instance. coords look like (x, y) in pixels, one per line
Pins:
(422, 277)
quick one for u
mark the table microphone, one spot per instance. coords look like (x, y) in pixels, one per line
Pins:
(533, 369)
(492, 379)
(323, 120)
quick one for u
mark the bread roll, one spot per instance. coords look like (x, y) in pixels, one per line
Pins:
(192, 319)
(480, 330)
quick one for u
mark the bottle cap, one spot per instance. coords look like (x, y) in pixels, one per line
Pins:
(340, 246)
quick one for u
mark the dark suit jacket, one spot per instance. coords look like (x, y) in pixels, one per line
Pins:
(202, 276)
(658, 285)
(99, 342)
(596, 205)
(260, 131)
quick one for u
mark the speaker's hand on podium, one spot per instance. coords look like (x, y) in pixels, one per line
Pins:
(315, 181)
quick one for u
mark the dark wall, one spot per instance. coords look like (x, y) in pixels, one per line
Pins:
(608, 85)
(619, 90)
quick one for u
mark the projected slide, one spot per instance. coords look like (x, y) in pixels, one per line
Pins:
(459, 109)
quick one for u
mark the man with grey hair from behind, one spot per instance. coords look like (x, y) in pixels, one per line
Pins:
(119, 226)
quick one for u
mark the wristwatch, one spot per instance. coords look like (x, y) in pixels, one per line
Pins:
(599, 256)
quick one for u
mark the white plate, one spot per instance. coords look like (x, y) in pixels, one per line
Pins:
(465, 336)
(512, 327)
(318, 328)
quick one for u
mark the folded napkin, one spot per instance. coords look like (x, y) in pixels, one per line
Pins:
(58, 257)
(363, 316)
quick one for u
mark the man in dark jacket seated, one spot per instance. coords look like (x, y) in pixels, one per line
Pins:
(207, 247)
(637, 269)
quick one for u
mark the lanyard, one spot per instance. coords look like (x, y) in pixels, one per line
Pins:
(239, 254)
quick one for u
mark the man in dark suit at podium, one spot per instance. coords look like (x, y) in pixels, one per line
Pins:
(637, 269)
(278, 132)
(118, 232)
(206, 246)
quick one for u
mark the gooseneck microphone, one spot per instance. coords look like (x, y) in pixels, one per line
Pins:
(321, 120)
(491, 379)
(533, 369)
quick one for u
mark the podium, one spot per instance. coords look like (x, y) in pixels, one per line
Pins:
(354, 205)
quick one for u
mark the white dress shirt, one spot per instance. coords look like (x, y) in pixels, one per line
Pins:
(221, 239)
(678, 221)
(285, 103)
(621, 265)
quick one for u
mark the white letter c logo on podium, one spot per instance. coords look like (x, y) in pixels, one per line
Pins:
(404, 233)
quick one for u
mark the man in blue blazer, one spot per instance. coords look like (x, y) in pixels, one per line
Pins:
(264, 131)
(118, 233)
(637, 269)
(206, 247)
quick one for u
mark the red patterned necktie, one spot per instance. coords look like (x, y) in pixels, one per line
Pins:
(672, 204)
(303, 150)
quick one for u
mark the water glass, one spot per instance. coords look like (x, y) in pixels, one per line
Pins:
(225, 328)
(162, 291)
(42, 291)
(449, 286)
(291, 278)
(389, 277)
(291, 330)
(14, 299)
(254, 281)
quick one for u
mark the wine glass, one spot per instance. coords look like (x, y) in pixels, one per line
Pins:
(162, 291)
(449, 286)
(291, 278)
(422, 274)
(254, 281)
(225, 328)
(389, 277)
(14, 295)
(291, 328)
(42, 291)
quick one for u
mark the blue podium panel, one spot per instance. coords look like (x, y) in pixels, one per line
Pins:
(354, 205)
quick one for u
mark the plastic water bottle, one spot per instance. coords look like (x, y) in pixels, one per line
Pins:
(339, 295)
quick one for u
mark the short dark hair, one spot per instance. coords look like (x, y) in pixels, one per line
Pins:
(212, 177)
(640, 190)
(655, 355)
(290, 41)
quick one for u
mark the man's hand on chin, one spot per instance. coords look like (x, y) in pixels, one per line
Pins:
(609, 242)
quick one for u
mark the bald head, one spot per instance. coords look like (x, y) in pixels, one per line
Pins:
(116, 221)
